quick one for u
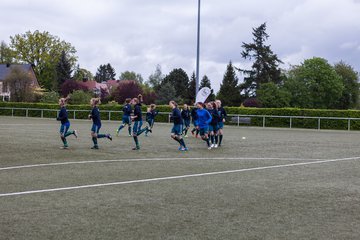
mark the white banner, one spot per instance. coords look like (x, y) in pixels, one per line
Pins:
(203, 94)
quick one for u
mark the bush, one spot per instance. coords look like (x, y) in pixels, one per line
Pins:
(80, 97)
(50, 97)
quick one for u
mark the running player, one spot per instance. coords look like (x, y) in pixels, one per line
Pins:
(126, 119)
(204, 119)
(150, 117)
(65, 123)
(186, 115)
(194, 119)
(137, 118)
(95, 116)
(176, 130)
(223, 116)
(214, 124)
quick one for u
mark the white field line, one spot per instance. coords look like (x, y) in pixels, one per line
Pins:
(175, 177)
(151, 159)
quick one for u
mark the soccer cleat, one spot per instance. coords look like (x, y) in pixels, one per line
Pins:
(136, 148)
(183, 149)
(209, 148)
(76, 133)
(216, 146)
(117, 132)
(64, 147)
(212, 145)
(186, 136)
(95, 147)
(130, 135)
(109, 137)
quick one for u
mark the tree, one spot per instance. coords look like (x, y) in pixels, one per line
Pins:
(192, 88)
(156, 78)
(180, 80)
(126, 89)
(71, 85)
(63, 70)
(80, 97)
(265, 68)
(20, 84)
(81, 74)
(229, 93)
(105, 72)
(127, 75)
(350, 80)
(6, 55)
(166, 93)
(314, 84)
(50, 97)
(271, 95)
(43, 51)
(205, 82)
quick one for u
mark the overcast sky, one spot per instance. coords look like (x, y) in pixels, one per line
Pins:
(136, 35)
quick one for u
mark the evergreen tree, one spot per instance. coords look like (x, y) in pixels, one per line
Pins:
(105, 72)
(192, 89)
(205, 82)
(229, 93)
(63, 70)
(166, 93)
(156, 78)
(265, 68)
(180, 80)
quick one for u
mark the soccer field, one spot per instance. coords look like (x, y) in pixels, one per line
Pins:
(275, 184)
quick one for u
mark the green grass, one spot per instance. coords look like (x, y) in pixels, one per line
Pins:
(318, 201)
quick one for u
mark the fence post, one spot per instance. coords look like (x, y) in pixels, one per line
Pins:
(263, 121)
(319, 123)
(27, 112)
(42, 113)
(290, 122)
(238, 120)
(109, 115)
(74, 114)
(349, 124)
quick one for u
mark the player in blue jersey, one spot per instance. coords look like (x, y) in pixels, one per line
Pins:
(177, 127)
(126, 119)
(223, 116)
(95, 116)
(151, 113)
(203, 119)
(137, 118)
(186, 116)
(65, 123)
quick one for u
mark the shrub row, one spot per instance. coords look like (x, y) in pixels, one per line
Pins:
(255, 121)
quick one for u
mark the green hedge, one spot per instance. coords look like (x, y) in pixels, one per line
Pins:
(255, 121)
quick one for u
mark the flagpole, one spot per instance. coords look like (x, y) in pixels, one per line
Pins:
(198, 50)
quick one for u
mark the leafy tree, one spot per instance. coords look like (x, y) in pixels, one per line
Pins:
(126, 89)
(43, 51)
(6, 54)
(105, 72)
(229, 93)
(205, 82)
(50, 97)
(81, 74)
(20, 84)
(63, 70)
(314, 84)
(180, 80)
(192, 89)
(350, 79)
(271, 95)
(71, 85)
(80, 97)
(166, 93)
(156, 78)
(266, 64)
(127, 75)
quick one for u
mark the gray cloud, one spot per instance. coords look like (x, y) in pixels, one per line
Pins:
(138, 35)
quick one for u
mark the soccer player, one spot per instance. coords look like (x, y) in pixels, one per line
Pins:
(137, 118)
(150, 117)
(204, 119)
(126, 119)
(223, 116)
(95, 116)
(65, 123)
(186, 115)
(194, 119)
(176, 130)
(214, 124)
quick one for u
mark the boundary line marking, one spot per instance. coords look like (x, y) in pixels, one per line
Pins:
(175, 177)
(153, 159)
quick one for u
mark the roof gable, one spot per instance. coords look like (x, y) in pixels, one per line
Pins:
(5, 69)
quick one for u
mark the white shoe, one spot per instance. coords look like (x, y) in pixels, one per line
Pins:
(216, 146)
(209, 148)
(212, 145)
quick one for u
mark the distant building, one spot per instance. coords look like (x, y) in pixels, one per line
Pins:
(5, 70)
(96, 87)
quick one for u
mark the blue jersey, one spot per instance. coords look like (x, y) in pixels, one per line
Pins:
(63, 116)
(137, 112)
(151, 115)
(185, 114)
(95, 116)
(204, 118)
(176, 116)
(127, 110)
